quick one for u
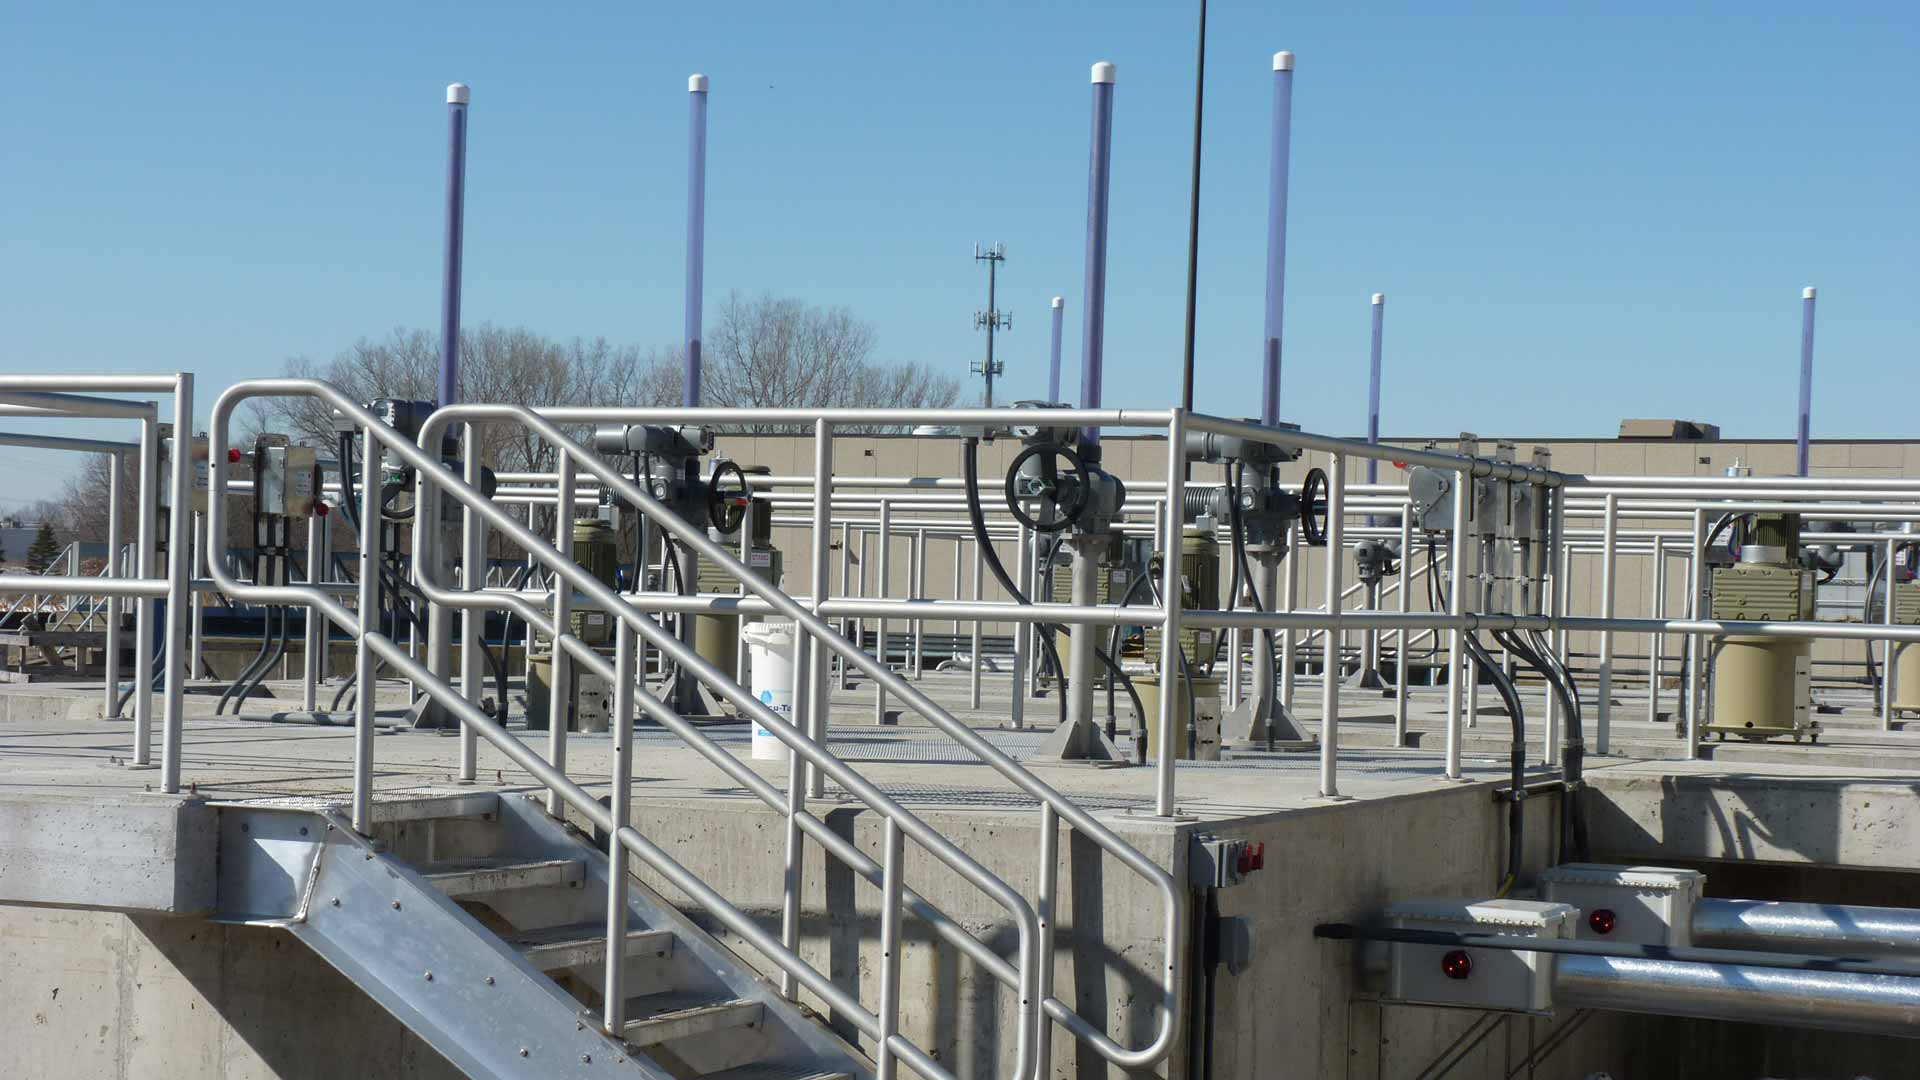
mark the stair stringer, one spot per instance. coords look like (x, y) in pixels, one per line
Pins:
(450, 980)
(527, 829)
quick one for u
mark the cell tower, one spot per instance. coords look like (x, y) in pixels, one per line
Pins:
(992, 318)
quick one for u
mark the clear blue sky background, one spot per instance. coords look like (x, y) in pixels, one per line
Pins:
(1574, 218)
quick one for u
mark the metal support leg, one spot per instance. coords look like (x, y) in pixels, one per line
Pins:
(179, 585)
(1459, 567)
(882, 574)
(144, 609)
(1609, 552)
(1330, 665)
(110, 707)
(313, 641)
(619, 804)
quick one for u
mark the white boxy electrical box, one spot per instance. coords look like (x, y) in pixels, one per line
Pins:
(1632, 905)
(1476, 978)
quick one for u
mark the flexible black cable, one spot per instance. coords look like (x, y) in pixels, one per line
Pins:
(1186, 670)
(349, 505)
(1517, 756)
(1573, 746)
(970, 463)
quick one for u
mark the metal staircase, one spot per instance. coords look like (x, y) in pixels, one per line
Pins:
(471, 921)
(480, 922)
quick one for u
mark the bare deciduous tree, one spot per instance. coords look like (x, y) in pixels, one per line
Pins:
(769, 352)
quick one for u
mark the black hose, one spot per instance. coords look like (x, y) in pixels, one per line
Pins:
(970, 463)
(258, 663)
(1518, 754)
(1186, 672)
(1573, 746)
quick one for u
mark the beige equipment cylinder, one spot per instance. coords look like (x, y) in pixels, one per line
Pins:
(1761, 687)
(1906, 679)
(1205, 745)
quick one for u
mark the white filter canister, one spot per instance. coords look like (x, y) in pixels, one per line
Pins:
(770, 657)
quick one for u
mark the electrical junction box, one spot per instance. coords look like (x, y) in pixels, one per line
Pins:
(1430, 491)
(1220, 862)
(200, 473)
(283, 481)
(1473, 977)
(1632, 905)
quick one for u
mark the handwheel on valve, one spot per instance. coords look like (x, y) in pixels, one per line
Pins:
(727, 508)
(1049, 487)
(1313, 503)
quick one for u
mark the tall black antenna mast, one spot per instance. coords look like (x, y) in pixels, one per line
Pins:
(992, 318)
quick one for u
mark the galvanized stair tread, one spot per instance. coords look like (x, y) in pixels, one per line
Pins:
(580, 944)
(478, 877)
(660, 1018)
(764, 1071)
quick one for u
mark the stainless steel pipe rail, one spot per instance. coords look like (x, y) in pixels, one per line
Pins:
(78, 396)
(1869, 933)
(818, 632)
(1834, 1001)
(566, 791)
(371, 642)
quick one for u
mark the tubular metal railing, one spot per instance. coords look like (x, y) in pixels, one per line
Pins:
(1028, 976)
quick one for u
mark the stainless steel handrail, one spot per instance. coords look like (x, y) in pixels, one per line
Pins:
(371, 642)
(819, 630)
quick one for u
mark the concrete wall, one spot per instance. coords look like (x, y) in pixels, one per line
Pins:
(1135, 458)
(94, 995)
(1300, 1011)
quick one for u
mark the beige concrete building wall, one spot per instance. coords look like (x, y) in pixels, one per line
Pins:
(1144, 459)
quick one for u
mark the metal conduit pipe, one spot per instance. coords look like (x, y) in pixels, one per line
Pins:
(1866, 933)
(1833, 1001)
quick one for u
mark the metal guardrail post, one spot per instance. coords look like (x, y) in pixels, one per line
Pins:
(1456, 606)
(1401, 638)
(146, 560)
(820, 690)
(1331, 651)
(885, 1056)
(1289, 598)
(1889, 655)
(116, 464)
(314, 636)
(1656, 642)
(473, 561)
(881, 574)
(619, 806)
(365, 666)
(979, 662)
(1609, 545)
(560, 684)
(1696, 646)
(179, 585)
(1170, 645)
(1024, 643)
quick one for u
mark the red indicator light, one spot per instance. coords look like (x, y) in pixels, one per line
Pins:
(1456, 964)
(233, 456)
(1601, 921)
(320, 509)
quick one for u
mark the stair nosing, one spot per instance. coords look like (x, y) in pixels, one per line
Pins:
(704, 1015)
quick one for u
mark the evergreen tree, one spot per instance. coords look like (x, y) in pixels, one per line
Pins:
(44, 549)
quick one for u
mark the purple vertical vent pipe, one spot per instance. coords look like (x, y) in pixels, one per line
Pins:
(1806, 378)
(1373, 385)
(457, 99)
(1277, 234)
(1099, 181)
(1053, 358)
(696, 231)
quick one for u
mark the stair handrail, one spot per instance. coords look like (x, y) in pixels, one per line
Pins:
(818, 629)
(372, 642)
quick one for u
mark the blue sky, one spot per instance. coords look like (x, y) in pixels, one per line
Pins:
(1575, 218)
